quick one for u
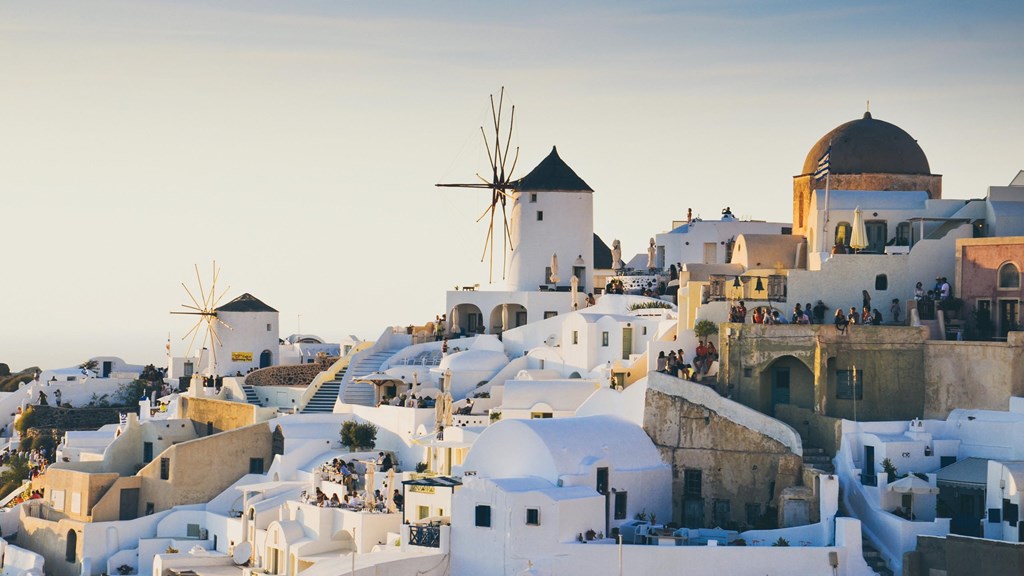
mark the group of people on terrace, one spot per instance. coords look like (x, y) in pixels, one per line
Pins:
(674, 363)
(410, 401)
(347, 474)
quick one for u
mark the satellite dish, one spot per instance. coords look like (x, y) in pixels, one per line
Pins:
(241, 554)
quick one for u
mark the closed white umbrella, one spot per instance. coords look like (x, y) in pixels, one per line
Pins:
(370, 500)
(859, 237)
(554, 269)
(574, 282)
(616, 255)
(651, 255)
(504, 318)
(389, 498)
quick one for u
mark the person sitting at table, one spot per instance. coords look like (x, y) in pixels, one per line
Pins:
(385, 462)
(334, 501)
(398, 499)
(355, 502)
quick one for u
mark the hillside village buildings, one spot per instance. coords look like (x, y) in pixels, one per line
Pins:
(535, 431)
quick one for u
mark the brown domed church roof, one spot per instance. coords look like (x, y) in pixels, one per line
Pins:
(245, 303)
(553, 174)
(869, 146)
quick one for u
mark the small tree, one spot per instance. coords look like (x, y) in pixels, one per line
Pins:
(356, 436)
(88, 366)
(705, 328)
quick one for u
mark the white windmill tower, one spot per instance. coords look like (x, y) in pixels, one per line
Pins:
(552, 213)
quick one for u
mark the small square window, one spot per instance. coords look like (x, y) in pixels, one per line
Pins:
(604, 339)
(575, 336)
(533, 517)
(422, 512)
(165, 468)
(268, 327)
(255, 465)
(550, 314)
(540, 215)
(533, 196)
(692, 483)
(849, 384)
(748, 372)
(483, 516)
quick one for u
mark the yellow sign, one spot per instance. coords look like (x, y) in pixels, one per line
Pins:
(422, 489)
(241, 356)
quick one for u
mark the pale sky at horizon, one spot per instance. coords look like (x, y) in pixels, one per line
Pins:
(298, 143)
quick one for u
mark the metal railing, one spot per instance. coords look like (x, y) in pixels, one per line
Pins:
(428, 536)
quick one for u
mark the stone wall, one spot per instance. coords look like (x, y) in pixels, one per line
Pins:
(220, 415)
(890, 362)
(975, 375)
(295, 375)
(963, 556)
(200, 469)
(49, 417)
(738, 464)
(815, 429)
(804, 185)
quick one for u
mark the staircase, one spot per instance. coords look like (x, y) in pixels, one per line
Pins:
(817, 459)
(323, 400)
(361, 392)
(874, 559)
(250, 395)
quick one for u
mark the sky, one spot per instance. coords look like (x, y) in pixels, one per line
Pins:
(297, 143)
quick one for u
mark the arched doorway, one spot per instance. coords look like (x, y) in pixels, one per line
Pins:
(468, 319)
(71, 553)
(266, 358)
(786, 380)
(506, 317)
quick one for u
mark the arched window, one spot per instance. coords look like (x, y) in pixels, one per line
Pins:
(843, 230)
(903, 234)
(1009, 276)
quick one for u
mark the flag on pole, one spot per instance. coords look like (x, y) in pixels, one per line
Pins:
(823, 164)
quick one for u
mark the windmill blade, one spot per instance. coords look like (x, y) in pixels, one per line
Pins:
(486, 210)
(489, 237)
(225, 324)
(202, 292)
(215, 338)
(189, 292)
(508, 142)
(490, 158)
(190, 308)
(213, 305)
(213, 287)
(515, 160)
(195, 332)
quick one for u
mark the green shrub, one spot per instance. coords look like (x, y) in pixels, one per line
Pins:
(781, 542)
(704, 328)
(356, 436)
(648, 305)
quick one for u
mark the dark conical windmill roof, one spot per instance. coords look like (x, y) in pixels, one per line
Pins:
(246, 303)
(553, 174)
